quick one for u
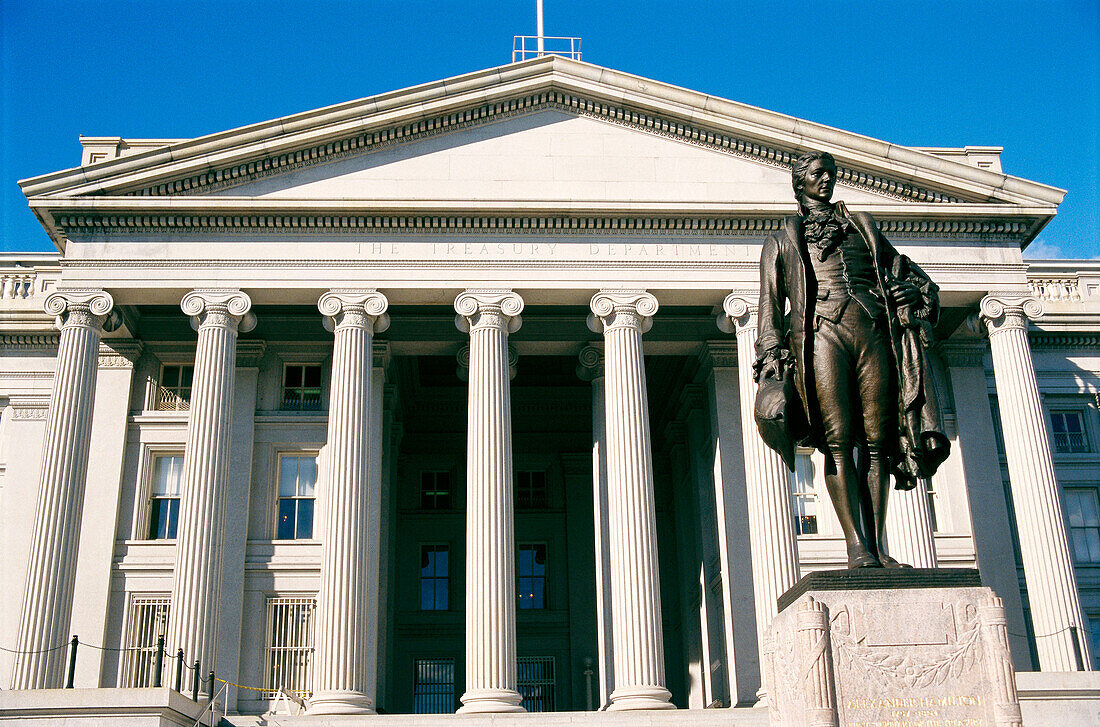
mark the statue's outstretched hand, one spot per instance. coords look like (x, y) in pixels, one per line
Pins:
(902, 292)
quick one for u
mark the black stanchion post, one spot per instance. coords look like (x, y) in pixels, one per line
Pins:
(195, 683)
(212, 685)
(179, 670)
(158, 663)
(72, 663)
(1077, 655)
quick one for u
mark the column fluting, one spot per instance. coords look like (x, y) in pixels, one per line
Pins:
(1044, 546)
(768, 481)
(193, 617)
(82, 316)
(638, 640)
(489, 316)
(345, 667)
(909, 528)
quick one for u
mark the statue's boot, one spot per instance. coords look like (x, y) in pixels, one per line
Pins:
(878, 485)
(843, 483)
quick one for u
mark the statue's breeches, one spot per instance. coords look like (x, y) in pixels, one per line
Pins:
(851, 368)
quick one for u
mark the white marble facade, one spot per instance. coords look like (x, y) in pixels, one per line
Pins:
(624, 218)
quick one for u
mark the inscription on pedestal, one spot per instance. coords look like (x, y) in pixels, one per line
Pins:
(932, 657)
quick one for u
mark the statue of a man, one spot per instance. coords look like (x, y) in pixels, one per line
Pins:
(847, 320)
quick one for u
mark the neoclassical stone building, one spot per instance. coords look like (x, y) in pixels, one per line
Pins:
(440, 399)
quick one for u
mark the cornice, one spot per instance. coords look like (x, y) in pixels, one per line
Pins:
(30, 342)
(1074, 340)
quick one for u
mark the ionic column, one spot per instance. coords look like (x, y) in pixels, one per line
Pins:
(638, 642)
(909, 532)
(591, 369)
(345, 669)
(193, 617)
(1044, 547)
(489, 316)
(767, 480)
(82, 316)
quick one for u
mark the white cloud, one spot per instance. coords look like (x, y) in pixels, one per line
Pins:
(1042, 250)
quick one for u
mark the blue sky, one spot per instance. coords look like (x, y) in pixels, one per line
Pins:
(1022, 75)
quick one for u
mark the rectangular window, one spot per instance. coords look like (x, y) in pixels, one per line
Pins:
(1083, 517)
(164, 496)
(297, 494)
(1094, 635)
(288, 661)
(434, 686)
(803, 496)
(434, 578)
(435, 490)
(1070, 436)
(174, 391)
(532, 576)
(302, 387)
(536, 682)
(930, 495)
(531, 493)
(148, 620)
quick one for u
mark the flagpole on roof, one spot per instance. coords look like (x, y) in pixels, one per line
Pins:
(541, 42)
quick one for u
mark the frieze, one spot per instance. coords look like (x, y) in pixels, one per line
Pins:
(1064, 339)
(29, 408)
(412, 132)
(45, 342)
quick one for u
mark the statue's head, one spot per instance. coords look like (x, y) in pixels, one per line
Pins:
(813, 176)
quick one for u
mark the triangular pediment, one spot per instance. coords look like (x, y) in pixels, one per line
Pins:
(553, 131)
(549, 155)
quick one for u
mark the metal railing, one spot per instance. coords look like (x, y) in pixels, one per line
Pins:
(170, 400)
(529, 46)
(1071, 442)
(289, 655)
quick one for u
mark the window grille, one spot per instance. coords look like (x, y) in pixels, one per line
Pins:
(531, 492)
(536, 682)
(164, 496)
(1069, 432)
(1083, 518)
(289, 655)
(803, 496)
(174, 391)
(302, 387)
(148, 620)
(434, 578)
(532, 576)
(435, 490)
(434, 686)
(297, 496)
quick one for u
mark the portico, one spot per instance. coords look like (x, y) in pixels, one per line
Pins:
(463, 399)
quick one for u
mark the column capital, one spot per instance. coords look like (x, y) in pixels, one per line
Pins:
(622, 308)
(89, 307)
(1009, 310)
(495, 308)
(363, 308)
(119, 353)
(590, 367)
(738, 311)
(219, 307)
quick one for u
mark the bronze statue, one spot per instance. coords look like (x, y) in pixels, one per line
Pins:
(844, 323)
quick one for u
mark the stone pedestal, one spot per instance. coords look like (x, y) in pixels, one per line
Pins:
(920, 648)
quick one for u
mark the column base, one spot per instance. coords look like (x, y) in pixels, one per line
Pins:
(476, 701)
(340, 702)
(630, 698)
